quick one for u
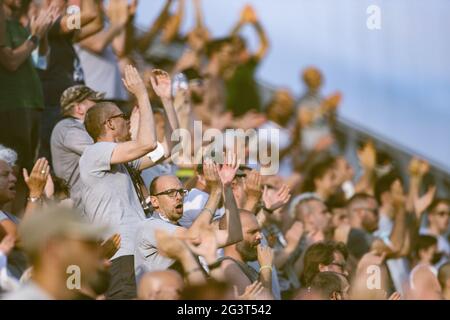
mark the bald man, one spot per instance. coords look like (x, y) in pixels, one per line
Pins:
(167, 195)
(109, 196)
(160, 285)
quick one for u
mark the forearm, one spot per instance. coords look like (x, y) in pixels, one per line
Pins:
(265, 276)
(263, 40)
(98, 42)
(146, 134)
(234, 228)
(43, 47)
(398, 232)
(413, 193)
(146, 40)
(193, 271)
(238, 26)
(208, 211)
(171, 114)
(282, 256)
(14, 58)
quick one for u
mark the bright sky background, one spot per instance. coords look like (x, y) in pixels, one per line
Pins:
(396, 81)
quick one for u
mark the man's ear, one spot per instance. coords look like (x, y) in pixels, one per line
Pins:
(154, 201)
(322, 267)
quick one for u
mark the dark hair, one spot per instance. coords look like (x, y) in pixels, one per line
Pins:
(437, 202)
(336, 201)
(320, 253)
(317, 171)
(326, 283)
(384, 184)
(216, 45)
(424, 242)
(153, 184)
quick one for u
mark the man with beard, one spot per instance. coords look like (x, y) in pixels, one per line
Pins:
(64, 252)
(109, 196)
(167, 194)
(235, 263)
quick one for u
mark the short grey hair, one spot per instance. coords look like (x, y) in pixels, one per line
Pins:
(8, 155)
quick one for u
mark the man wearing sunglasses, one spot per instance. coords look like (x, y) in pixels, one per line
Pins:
(167, 196)
(109, 196)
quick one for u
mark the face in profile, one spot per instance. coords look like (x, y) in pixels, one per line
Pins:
(7, 183)
(251, 231)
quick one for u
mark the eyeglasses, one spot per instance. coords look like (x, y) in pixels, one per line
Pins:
(172, 193)
(122, 115)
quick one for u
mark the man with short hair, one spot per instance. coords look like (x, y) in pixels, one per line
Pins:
(160, 285)
(167, 195)
(330, 286)
(108, 195)
(58, 242)
(324, 256)
(70, 138)
(235, 264)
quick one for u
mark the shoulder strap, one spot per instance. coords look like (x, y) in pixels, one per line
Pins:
(249, 272)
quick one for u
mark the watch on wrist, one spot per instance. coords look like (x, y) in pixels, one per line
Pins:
(215, 265)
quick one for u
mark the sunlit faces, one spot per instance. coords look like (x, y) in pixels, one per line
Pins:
(439, 217)
(7, 183)
(251, 232)
(169, 205)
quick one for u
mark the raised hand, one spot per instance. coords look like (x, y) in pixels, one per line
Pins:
(161, 83)
(368, 156)
(251, 292)
(248, 15)
(40, 24)
(49, 188)
(253, 185)
(422, 203)
(110, 246)
(118, 12)
(207, 246)
(229, 169)
(37, 180)
(211, 174)
(133, 81)
(275, 200)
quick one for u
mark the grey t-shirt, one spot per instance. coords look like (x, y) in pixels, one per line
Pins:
(147, 258)
(68, 141)
(109, 197)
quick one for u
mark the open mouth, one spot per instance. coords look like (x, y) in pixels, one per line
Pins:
(179, 206)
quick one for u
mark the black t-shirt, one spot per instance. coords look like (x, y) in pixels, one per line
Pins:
(64, 67)
(242, 90)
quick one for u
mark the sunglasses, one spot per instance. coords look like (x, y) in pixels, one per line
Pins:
(172, 193)
(122, 115)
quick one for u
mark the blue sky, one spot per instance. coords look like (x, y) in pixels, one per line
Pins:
(395, 80)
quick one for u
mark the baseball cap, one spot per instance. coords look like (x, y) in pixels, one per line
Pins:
(55, 222)
(77, 94)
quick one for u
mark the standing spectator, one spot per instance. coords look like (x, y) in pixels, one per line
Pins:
(64, 68)
(70, 138)
(21, 98)
(242, 90)
(98, 53)
(108, 193)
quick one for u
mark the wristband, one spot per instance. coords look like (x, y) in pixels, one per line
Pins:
(265, 267)
(157, 154)
(34, 200)
(210, 211)
(34, 39)
(267, 209)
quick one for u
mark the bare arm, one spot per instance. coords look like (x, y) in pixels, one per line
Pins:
(233, 232)
(89, 15)
(146, 40)
(146, 135)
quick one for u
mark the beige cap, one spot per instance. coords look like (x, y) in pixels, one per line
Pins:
(54, 222)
